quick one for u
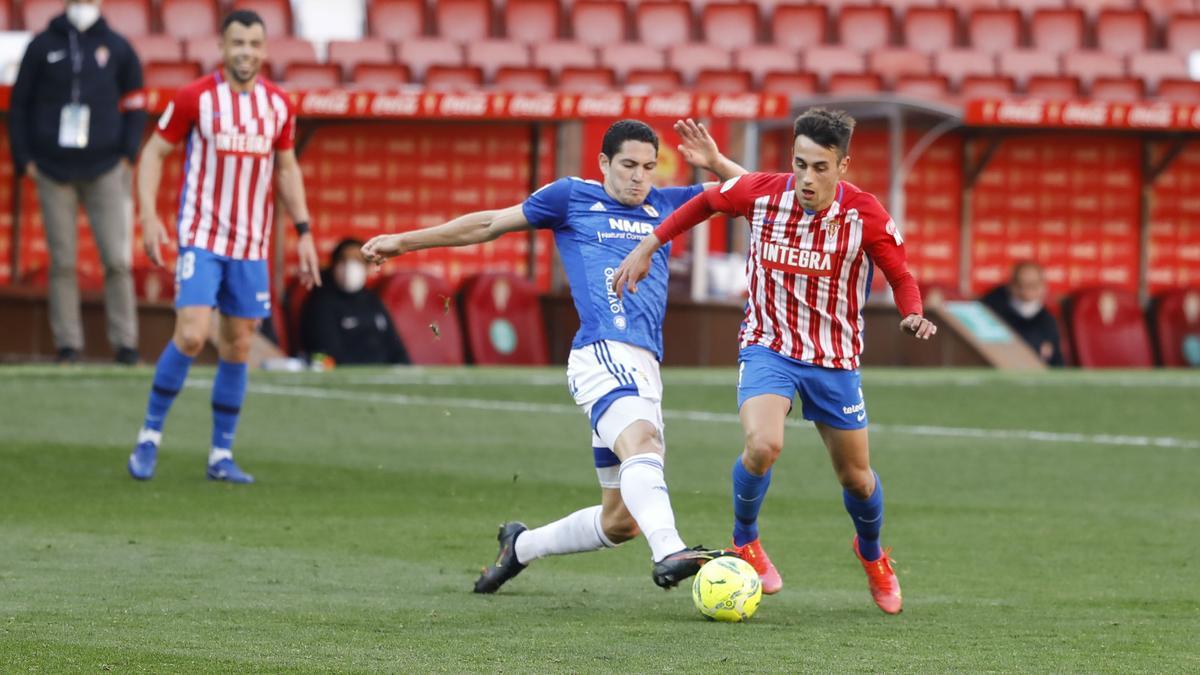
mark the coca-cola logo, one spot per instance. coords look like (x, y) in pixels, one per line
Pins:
(674, 105)
(533, 105)
(1151, 115)
(331, 103)
(469, 105)
(405, 105)
(601, 105)
(1028, 112)
(1085, 114)
(745, 106)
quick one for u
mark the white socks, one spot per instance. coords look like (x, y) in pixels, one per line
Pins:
(576, 533)
(217, 454)
(644, 491)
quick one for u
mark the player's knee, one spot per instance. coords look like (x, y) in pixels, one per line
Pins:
(619, 527)
(762, 449)
(189, 340)
(860, 483)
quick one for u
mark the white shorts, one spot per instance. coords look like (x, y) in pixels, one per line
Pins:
(615, 384)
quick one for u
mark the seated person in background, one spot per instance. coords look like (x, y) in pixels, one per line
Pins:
(1021, 304)
(344, 320)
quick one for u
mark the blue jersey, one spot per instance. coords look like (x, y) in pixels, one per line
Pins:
(594, 233)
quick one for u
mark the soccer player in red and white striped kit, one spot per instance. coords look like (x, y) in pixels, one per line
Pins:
(815, 241)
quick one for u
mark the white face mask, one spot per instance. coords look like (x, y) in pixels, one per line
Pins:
(83, 15)
(354, 276)
(1026, 308)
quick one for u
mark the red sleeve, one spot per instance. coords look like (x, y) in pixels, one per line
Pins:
(729, 197)
(287, 135)
(885, 247)
(180, 116)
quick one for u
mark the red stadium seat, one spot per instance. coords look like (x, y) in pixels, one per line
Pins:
(131, 18)
(380, 75)
(1118, 89)
(531, 21)
(205, 50)
(421, 54)
(758, 60)
(502, 314)
(730, 24)
(488, 55)
(396, 19)
(586, 80)
(864, 27)
(1023, 64)
(1053, 87)
(1028, 7)
(723, 81)
(171, 75)
(930, 29)
(854, 83)
(36, 14)
(286, 51)
(1153, 67)
(347, 54)
(1108, 330)
(1094, 7)
(1174, 319)
(1057, 30)
(891, 63)
(985, 86)
(994, 30)
(599, 22)
(157, 48)
(1123, 32)
(559, 55)
(624, 57)
(1183, 33)
(1088, 66)
(313, 76)
(522, 79)
(276, 16)
(663, 23)
(927, 87)
(955, 64)
(189, 18)
(453, 78)
(646, 80)
(689, 59)
(789, 82)
(799, 26)
(8, 18)
(418, 301)
(1163, 11)
(1179, 90)
(463, 20)
(825, 61)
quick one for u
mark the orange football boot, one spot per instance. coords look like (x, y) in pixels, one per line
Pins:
(881, 579)
(753, 553)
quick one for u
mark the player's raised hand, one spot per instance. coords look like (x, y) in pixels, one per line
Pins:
(381, 247)
(698, 146)
(310, 264)
(154, 235)
(634, 268)
(918, 327)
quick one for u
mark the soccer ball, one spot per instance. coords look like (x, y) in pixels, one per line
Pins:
(727, 589)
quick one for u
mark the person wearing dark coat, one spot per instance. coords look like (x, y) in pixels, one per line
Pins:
(1021, 305)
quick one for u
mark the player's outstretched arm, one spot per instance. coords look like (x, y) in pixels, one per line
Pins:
(472, 228)
(701, 151)
(290, 182)
(149, 175)
(636, 265)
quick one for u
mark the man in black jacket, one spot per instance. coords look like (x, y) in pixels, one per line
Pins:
(1021, 304)
(75, 125)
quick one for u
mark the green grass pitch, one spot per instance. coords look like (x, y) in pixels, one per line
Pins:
(1041, 523)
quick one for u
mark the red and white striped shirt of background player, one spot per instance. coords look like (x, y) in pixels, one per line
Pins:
(807, 273)
(227, 201)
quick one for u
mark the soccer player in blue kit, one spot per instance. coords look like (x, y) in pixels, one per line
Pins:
(613, 368)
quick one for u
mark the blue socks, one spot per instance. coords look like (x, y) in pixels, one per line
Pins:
(748, 493)
(169, 374)
(229, 388)
(867, 515)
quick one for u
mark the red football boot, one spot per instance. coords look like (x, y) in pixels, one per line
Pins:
(885, 587)
(753, 553)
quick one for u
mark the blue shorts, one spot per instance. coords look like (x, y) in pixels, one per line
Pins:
(830, 396)
(240, 288)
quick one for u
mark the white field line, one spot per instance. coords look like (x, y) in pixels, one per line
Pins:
(722, 418)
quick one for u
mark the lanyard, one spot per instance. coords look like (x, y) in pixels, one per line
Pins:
(76, 64)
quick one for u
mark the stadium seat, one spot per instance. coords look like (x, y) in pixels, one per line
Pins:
(205, 50)
(502, 314)
(956, 64)
(789, 82)
(421, 54)
(825, 61)
(865, 27)
(730, 24)
(758, 60)
(564, 54)
(599, 22)
(893, 62)
(313, 76)
(711, 81)
(396, 20)
(689, 59)
(1118, 89)
(576, 80)
(8, 18)
(927, 87)
(276, 16)
(157, 48)
(283, 52)
(532, 21)
(1179, 90)
(986, 86)
(663, 22)
(1183, 33)
(624, 57)
(1088, 66)
(1123, 31)
(453, 78)
(1107, 329)
(1164, 11)
(1174, 319)
(131, 18)
(1094, 7)
(1053, 87)
(799, 26)
(1028, 7)
(1022, 64)
(172, 75)
(463, 20)
(994, 30)
(346, 54)
(489, 55)
(653, 81)
(1057, 30)
(522, 79)
(854, 83)
(36, 14)
(380, 75)
(1153, 67)
(930, 29)
(190, 18)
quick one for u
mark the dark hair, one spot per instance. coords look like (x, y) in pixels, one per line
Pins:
(245, 17)
(627, 130)
(348, 243)
(1026, 265)
(827, 128)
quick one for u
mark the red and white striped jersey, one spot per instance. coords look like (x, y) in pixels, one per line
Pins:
(808, 273)
(227, 199)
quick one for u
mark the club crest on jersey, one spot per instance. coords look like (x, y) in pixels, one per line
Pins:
(797, 260)
(831, 228)
(650, 210)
